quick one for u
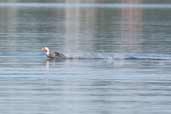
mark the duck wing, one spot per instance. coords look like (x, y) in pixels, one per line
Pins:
(60, 55)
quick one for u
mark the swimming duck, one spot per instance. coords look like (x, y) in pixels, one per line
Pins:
(52, 55)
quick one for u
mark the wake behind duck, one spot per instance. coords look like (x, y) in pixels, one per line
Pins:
(114, 56)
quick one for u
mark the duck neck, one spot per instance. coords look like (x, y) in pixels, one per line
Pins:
(48, 53)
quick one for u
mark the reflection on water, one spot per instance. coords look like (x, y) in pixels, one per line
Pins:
(126, 65)
(131, 26)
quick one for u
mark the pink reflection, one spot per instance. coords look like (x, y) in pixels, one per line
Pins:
(131, 26)
(74, 41)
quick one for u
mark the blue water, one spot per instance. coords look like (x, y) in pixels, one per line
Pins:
(121, 58)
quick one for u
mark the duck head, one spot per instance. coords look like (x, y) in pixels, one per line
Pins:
(46, 51)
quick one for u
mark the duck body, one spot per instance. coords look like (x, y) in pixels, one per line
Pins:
(53, 55)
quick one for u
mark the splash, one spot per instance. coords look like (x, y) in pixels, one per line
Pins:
(81, 56)
(124, 56)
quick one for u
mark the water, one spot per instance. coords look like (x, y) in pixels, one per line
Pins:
(126, 65)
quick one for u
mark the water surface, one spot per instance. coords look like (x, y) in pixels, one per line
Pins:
(106, 82)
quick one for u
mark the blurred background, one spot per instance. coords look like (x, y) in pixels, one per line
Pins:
(106, 28)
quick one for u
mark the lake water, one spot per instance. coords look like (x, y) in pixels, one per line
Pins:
(125, 65)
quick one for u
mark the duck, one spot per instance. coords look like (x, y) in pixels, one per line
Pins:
(52, 55)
